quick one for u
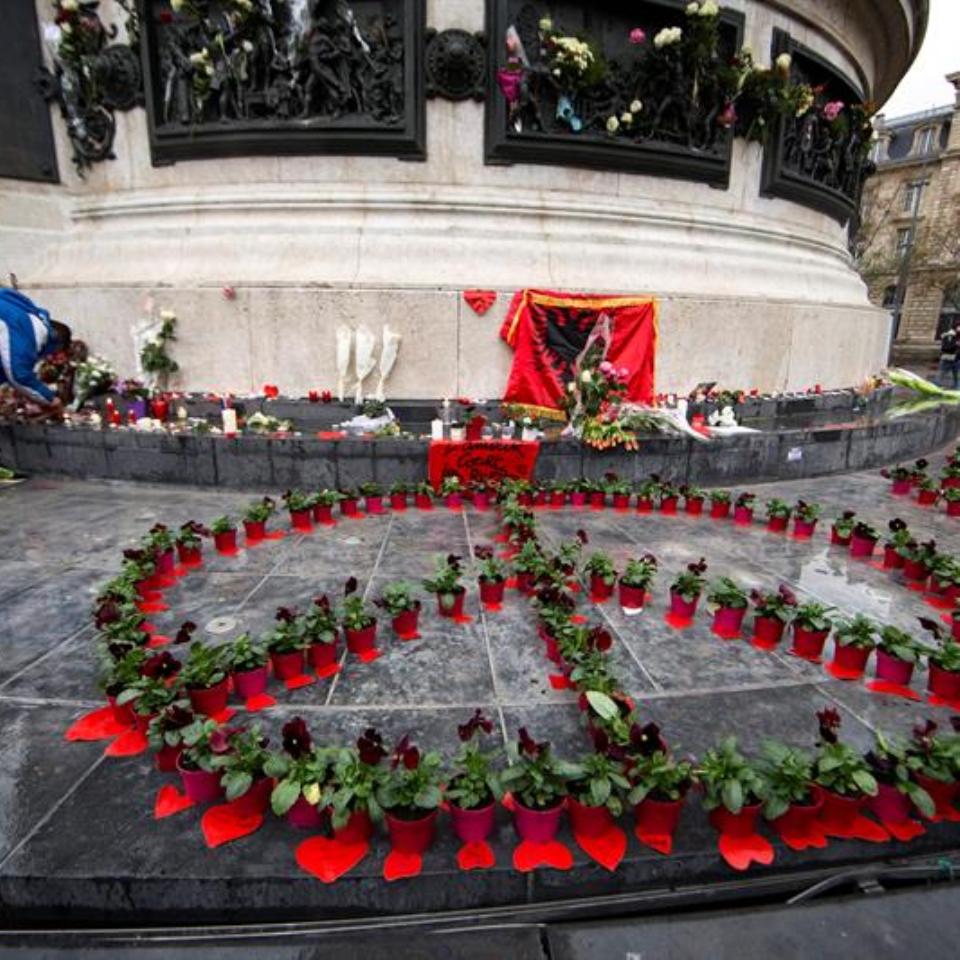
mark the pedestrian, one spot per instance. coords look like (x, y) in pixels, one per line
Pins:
(27, 334)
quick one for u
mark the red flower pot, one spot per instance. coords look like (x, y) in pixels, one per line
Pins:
(588, 821)
(258, 795)
(841, 810)
(166, 758)
(398, 501)
(955, 628)
(621, 501)
(255, 529)
(632, 598)
(189, 555)
(209, 700)
(225, 542)
(837, 540)
(304, 816)
(286, 666)
(456, 609)
(348, 507)
(949, 482)
(598, 499)
(740, 824)
(927, 498)
(890, 804)
(644, 505)
(742, 515)
(122, 712)
(357, 829)
(474, 428)
(537, 826)
(893, 669)
(578, 498)
(412, 836)
(526, 582)
(953, 508)
(915, 570)
(900, 488)
(159, 409)
(891, 559)
(473, 826)
(250, 683)
(481, 500)
(374, 504)
(599, 588)
(808, 643)
(558, 498)
(768, 629)
(407, 621)
(694, 506)
(669, 505)
(201, 786)
(943, 683)
(322, 655)
(861, 546)
(423, 501)
(851, 657)
(804, 528)
(658, 817)
(300, 520)
(800, 817)
(322, 513)
(728, 619)
(720, 511)
(942, 793)
(680, 607)
(540, 498)
(360, 641)
(525, 499)
(491, 591)
(453, 501)
(166, 563)
(777, 524)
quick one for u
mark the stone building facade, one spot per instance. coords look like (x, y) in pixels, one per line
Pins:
(909, 241)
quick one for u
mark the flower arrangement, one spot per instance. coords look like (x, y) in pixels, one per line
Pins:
(781, 605)
(411, 788)
(474, 781)
(537, 778)
(727, 594)
(689, 583)
(445, 582)
(639, 572)
(728, 779)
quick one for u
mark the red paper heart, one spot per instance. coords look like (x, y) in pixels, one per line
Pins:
(406, 637)
(574, 587)
(938, 602)
(258, 702)
(227, 822)
(330, 670)
(98, 724)
(147, 627)
(501, 538)
(328, 860)
(765, 645)
(937, 701)
(802, 839)
(480, 301)
(578, 618)
(304, 680)
(661, 842)
(400, 866)
(741, 852)
(508, 803)
(462, 618)
(368, 656)
(842, 673)
(559, 682)
(476, 856)
(607, 849)
(128, 744)
(677, 622)
(529, 855)
(725, 633)
(169, 801)
(158, 640)
(917, 586)
(904, 830)
(152, 606)
(492, 607)
(859, 829)
(224, 716)
(893, 689)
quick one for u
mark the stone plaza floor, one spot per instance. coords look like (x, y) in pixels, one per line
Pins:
(77, 835)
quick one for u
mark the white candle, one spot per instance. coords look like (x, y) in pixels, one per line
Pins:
(181, 413)
(436, 429)
(229, 420)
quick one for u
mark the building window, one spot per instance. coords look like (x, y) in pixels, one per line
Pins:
(949, 309)
(889, 297)
(924, 141)
(912, 196)
(904, 238)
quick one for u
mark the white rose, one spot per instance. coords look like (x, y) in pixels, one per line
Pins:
(613, 125)
(586, 377)
(626, 119)
(783, 62)
(546, 24)
(556, 71)
(709, 9)
(247, 46)
(636, 106)
(692, 8)
(571, 386)
(167, 315)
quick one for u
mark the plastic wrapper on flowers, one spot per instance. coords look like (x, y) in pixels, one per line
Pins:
(364, 361)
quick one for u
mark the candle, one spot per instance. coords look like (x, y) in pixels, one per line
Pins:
(181, 413)
(436, 429)
(229, 421)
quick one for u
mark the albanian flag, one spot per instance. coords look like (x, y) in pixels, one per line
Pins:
(548, 331)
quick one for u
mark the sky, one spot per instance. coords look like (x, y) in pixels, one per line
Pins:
(924, 87)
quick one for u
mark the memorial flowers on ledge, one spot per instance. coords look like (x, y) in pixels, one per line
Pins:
(635, 580)
(474, 782)
(300, 773)
(491, 573)
(445, 583)
(351, 790)
(733, 788)
(686, 589)
(411, 796)
(398, 601)
(358, 622)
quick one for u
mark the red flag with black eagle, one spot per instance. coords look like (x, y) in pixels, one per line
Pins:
(548, 331)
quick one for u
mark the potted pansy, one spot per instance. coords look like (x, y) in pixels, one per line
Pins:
(299, 775)
(349, 502)
(896, 546)
(635, 581)
(934, 760)
(321, 632)
(323, 503)
(619, 491)
(805, 516)
(538, 781)
(918, 558)
(597, 791)
(693, 498)
(151, 692)
(951, 497)
(900, 477)
(352, 787)
(686, 589)
(841, 772)
(398, 495)
(558, 493)
(919, 471)
(286, 643)
(950, 475)
(241, 766)
(480, 494)
(246, 659)
(539, 495)
(357, 619)
(734, 789)
(190, 543)
(159, 543)
(205, 678)
(812, 623)
(567, 557)
(224, 532)
(445, 583)
(423, 496)
(451, 489)
(729, 603)
(897, 790)
(202, 741)
(771, 613)
(401, 605)
(648, 493)
(778, 515)
(596, 495)
(897, 655)
(928, 491)
(372, 496)
(300, 506)
(491, 574)
(165, 734)
(863, 538)
(255, 518)
(792, 801)
(603, 575)
(579, 490)
(658, 782)
(474, 782)
(943, 661)
(841, 531)
(720, 504)
(944, 576)
(669, 497)
(529, 564)
(854, 639)
(743, 508)
(411, 796)
(122, 664)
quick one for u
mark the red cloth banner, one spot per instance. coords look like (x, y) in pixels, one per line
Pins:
(549, 330)
(484, 461)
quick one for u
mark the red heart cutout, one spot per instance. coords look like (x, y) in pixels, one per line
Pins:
(842, 673)
(559, 682)
(741, 852)
(938, 701)
(158, 640)
(224, 715)
(492, 607)
(128, 744)
(574, 587)
(229, 821)
(508, 803)
(148, 627)
(258, 702)
(330, 670)
(529, 855)
(607, 849)
(725, 634)
(152, 606)
(578, 618)
(368, 656)
(904, 830)
(409, 636)
(893, 689)
(476, 856)
(661, 842)
(480, 301)
(98, 724)
(170, 801)
(328, 860)
(304, 680)
(938, 602)
(859, 829)
(802, 839)
(400, 866)
(677, 622)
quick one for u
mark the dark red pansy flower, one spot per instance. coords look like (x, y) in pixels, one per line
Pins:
(313, 396)
(176, 717)
(326, 396)
(829, 720)
(160, 666)
(529, 746)
(582, 537)
(411, 757)
(350, 586)
(370, 747)
(646, 740)
(323, 602)
(107, 612)
(399, 750)
(465, 731)
(286, 614)
(220, 739)
(601, 742)
(483, 553)
(296, 737)
(185, 632)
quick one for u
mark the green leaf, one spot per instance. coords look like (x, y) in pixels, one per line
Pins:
(284, 796)
(638, 794)
(775, 807)
(604, 706)
(865, 782)
(732, 795)
(429, 798)
(922, 800)
(237, 783)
